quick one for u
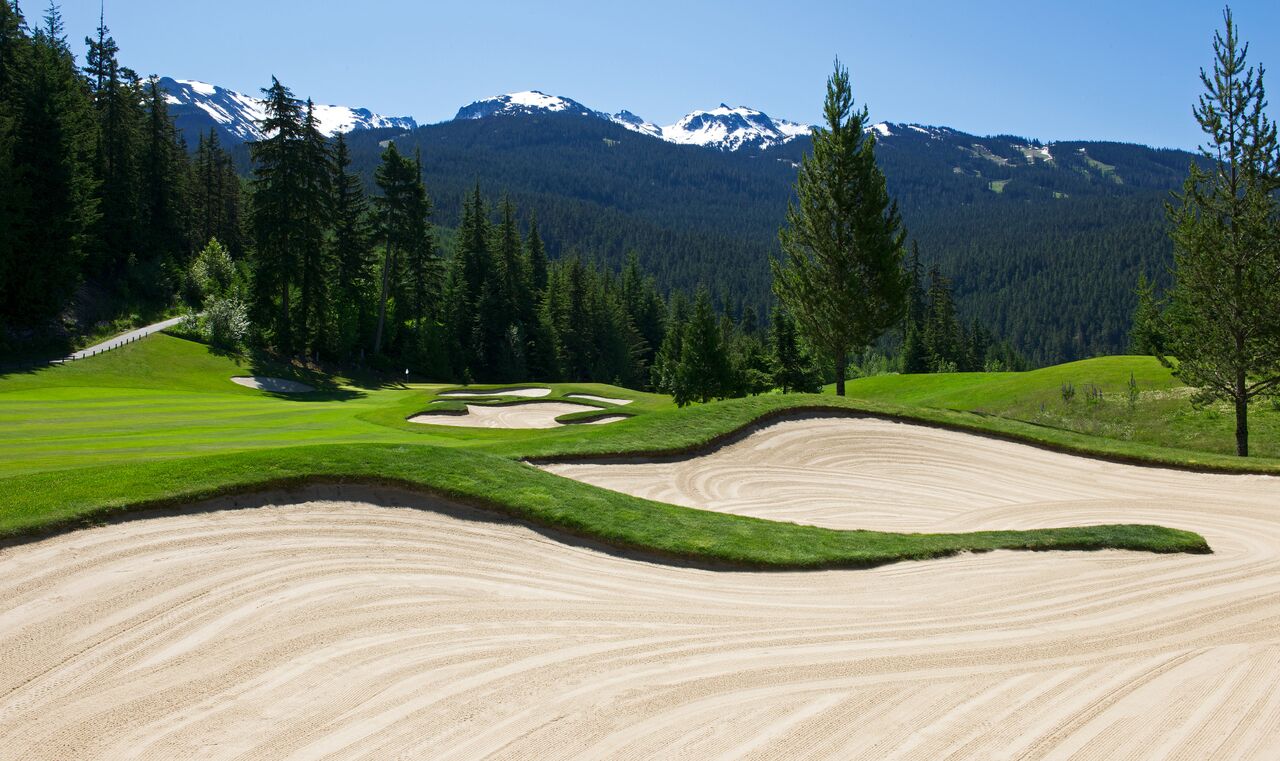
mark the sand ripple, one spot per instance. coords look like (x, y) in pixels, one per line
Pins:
(337, 623)
(518, 415)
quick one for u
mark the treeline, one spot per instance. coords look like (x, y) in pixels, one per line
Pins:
(101, 205)
(935, 340)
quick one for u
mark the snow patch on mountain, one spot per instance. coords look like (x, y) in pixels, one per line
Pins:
(240, 114)
(730, 129)
(525, 102)
(636, 124)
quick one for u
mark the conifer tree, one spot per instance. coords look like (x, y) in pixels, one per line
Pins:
(841, 275)
(116, 97)
(943, 337)
(164, 246)
(279, 184)
(704, 364)
(1224, 312)
(51, 201)
(793, 368)
(395, 177)
(1146, 336)
(314, 218)
(14, 46)
(541, 351)
(665, 373)
(351, 254)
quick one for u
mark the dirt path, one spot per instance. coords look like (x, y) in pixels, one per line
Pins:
(342, 626)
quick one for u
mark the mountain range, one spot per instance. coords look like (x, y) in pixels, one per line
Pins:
(1043, 242)
(198, 107)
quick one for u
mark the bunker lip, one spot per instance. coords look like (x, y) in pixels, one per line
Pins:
(273, 385)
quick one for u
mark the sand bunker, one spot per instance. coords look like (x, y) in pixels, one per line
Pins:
(519, 415)
(850, 473)
(338, 628)
(603, 419)
(531, 393)
(594, 398)
(274, 385)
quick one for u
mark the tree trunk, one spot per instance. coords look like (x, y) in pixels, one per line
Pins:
(1242, 417)
(842, 364)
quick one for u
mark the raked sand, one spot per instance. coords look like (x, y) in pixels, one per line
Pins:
(336, 623)
(518, 415)
(530, 393)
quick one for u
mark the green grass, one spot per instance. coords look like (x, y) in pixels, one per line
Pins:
(1161, 425)
(997, 186)
(159, 422)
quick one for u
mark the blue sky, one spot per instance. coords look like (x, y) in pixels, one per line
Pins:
(1118, 70)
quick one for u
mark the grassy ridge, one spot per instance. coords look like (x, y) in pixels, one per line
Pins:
(159, 422)
(1159, 417)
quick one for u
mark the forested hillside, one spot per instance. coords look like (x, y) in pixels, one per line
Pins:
(1043, 243)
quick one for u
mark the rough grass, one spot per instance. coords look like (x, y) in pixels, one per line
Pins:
(158, 422)
(1161, 419)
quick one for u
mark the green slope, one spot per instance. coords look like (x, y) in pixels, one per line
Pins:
(159, 422)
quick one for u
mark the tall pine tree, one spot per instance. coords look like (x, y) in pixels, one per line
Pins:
(841, 276)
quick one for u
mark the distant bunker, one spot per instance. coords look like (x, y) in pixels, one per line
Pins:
(518, 415)
(274, 385)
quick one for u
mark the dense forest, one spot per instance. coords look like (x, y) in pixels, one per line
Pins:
(108, 206)
(1049, 260)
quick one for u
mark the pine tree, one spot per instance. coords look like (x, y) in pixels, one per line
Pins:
(351, 254)
(425, 272)
(665, 374)
(314, 218)
(14, 48)
(395, 178)
(540, 349)
(1224, 311)
(1147, 335)
(279, 184)
(841, 277)
(644, 308)
(915, 354)
(117, 104)
(704, 364)
(51, 200)
(943, 337)
(536, 254)
(468, 271)
(164, 246)
(793, 368)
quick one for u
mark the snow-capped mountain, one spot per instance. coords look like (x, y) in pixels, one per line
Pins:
(518, 103)
(723, 128)
(636, 124)
(731, 129)
(197, 106)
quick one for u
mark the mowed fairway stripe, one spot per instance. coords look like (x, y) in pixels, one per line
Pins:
(338, 621)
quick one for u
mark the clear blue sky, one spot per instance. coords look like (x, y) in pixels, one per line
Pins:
(1118, 70)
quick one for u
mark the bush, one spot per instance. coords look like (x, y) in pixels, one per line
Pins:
(225, 322)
